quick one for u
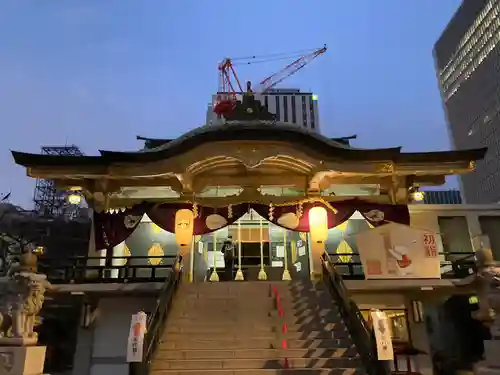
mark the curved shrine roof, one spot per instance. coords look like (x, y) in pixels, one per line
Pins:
(249, 131)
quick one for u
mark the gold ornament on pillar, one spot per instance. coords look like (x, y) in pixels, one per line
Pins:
(318, 224)
(184, 226)
(155, 253)
(126, 253)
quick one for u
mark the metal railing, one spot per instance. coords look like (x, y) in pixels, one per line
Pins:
(455, 266)
(156, 322)
(361, 335)
(87, 269)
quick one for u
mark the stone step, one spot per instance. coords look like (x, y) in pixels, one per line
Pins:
(221, 293)
(310, 371)
(232, 286)
(257, 312)
(221, 303)
(318, 312)
(271, 318)
(216, 304)
(197, 314)
(270, 326)
(235, 335)
(254, 343)
(309, 301)
(256, 353)
(310, 304)
(234, 363)
(259, 318)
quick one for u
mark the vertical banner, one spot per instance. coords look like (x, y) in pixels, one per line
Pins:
(382, 330)
(136, 334)
(395, 251)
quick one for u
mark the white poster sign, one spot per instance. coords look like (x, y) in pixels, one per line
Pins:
(280, 251)
(219, 259)
(302, 251)
(136, 337)
(395, 251)
(385, 352)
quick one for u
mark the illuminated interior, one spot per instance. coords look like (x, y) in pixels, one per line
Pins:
(398, 323)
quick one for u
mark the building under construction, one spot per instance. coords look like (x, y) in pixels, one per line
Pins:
(54, 226)
(53, 229)
(50, 201)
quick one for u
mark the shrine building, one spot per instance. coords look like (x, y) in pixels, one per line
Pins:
(282, 194)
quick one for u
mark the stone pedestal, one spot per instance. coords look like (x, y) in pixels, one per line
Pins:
(22, 360)
(491, 365)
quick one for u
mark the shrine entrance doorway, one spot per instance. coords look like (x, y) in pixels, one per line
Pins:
(259, 244)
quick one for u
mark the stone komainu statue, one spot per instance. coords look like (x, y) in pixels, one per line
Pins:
(22, 295)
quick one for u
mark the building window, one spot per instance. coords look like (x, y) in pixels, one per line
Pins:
(477, 43)
(294, 114)
(489, 226)
(455, 236)
(277, 100)
(304, 111)
(266, 102)
(311, 112)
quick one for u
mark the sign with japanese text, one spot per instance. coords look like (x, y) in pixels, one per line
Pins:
(136, 337)
(396, 251)
(430, 245)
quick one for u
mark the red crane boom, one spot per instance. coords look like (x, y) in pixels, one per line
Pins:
(226, 96)
(288, 70)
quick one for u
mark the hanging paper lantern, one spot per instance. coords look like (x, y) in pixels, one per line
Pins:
(318, 224)
(184, 226)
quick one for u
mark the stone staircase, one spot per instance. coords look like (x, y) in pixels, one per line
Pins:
(232, 328)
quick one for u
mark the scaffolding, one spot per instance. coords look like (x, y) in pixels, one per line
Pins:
(49, 200)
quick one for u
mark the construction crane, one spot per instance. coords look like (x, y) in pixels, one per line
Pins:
(230, 85)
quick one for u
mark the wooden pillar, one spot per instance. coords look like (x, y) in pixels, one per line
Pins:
(317, 249)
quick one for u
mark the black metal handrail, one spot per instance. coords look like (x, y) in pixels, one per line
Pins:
(362, 336)
(156, 322)
(90, 269)
(461, 265)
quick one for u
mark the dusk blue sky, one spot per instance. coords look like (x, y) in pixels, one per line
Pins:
(96, 73)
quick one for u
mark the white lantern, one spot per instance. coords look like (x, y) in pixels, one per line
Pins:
(184, 226)
(74, 197)
(417, 196)
(318, 224)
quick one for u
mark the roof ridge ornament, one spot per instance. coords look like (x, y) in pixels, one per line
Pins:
(249, 109)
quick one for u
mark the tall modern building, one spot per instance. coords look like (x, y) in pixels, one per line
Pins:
(290, 106)
(467, 59)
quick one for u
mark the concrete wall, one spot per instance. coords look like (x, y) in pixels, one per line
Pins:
(102, 348)
(425, 216)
